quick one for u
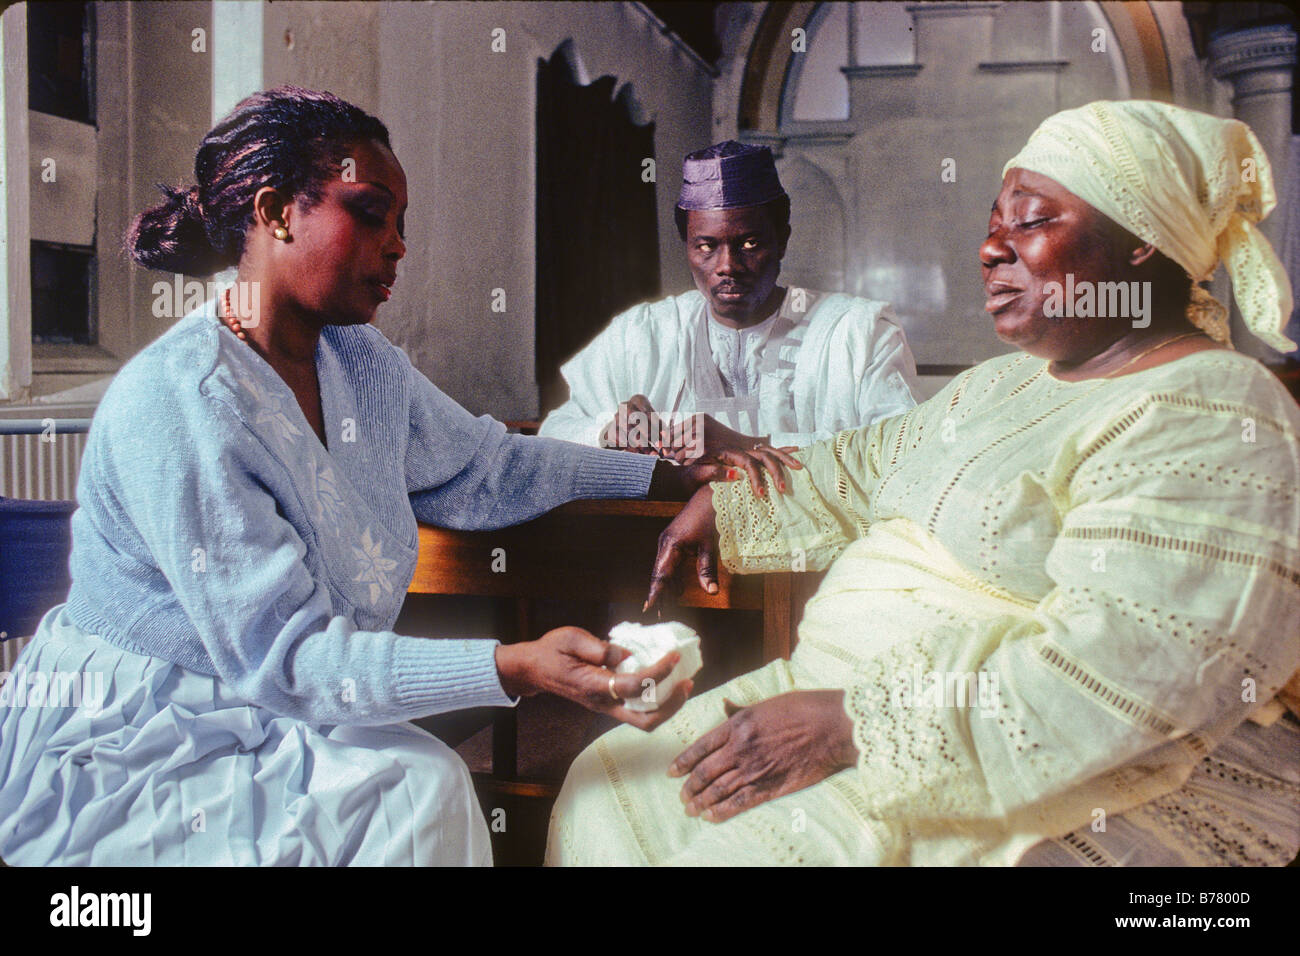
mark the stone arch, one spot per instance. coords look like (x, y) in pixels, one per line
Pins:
(1153, 48)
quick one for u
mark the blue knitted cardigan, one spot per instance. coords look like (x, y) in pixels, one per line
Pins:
(214, 530)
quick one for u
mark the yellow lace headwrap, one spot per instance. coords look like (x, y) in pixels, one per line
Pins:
(1191, 184)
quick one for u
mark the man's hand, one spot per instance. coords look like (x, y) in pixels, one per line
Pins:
(775, 747)
(574, 663)
(635, 427)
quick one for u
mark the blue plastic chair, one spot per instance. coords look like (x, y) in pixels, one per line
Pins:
(35, 542)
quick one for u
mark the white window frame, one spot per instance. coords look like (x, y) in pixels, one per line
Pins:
(15, 210)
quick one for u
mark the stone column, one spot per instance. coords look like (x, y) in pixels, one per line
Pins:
(1259, 62)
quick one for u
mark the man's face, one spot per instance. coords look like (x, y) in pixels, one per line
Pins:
(735, 256)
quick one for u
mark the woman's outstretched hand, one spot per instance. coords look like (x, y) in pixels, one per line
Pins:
(762, 752)
(693, 530)
(573, 663)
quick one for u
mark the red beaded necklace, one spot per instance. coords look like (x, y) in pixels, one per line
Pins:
(228, 316)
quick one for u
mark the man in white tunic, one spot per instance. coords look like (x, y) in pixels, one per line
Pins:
(740, 364)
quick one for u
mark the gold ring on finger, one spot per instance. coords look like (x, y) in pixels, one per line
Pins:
(612, 692)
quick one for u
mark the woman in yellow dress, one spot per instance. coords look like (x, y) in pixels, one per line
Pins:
(1057, 591)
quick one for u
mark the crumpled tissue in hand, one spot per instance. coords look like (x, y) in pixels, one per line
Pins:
(648, 644)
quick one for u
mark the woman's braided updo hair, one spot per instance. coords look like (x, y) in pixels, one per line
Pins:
(288, 138)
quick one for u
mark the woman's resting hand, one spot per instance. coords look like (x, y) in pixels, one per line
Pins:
(575, 664)
(762, 752)
(692, 530)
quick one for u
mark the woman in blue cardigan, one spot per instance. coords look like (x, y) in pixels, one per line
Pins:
(222, 685)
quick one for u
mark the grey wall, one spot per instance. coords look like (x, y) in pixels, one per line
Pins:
(154, 103)
(462, 121)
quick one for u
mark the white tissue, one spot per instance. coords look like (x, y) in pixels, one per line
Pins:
(648, 644)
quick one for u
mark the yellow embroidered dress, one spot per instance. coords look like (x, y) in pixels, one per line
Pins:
(1052, 607)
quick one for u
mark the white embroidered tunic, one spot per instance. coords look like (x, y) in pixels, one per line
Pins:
(823, 363)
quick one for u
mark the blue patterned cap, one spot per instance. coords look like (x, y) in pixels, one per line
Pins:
(729, 175)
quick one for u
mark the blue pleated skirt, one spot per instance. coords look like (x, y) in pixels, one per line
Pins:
(114, 758)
